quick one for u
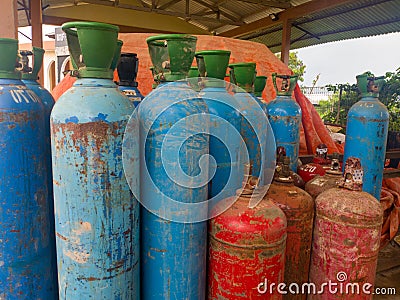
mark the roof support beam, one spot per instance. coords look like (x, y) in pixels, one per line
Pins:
(217, 9)
(9, 19)
(276, 4)
(289, 14)
(125, 17)
(168, 4)
(36, 21)
(286, 33)
(160, 12)
(306, 31)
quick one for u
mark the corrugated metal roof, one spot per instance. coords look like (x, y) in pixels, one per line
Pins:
(353, 19)
(358, 19)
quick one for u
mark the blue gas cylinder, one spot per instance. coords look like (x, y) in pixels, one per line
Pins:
(225, 138)
(26, 242)
(284, 115)
(29, 77)
(366, 133)
(255, 128)
(96, 215)
(127, 72)
(172, 118)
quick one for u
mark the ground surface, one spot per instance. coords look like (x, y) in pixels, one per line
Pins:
(388, 271)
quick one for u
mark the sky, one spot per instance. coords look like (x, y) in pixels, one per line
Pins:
(336, 62)
(341, 62)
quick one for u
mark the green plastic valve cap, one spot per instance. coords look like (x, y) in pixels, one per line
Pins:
(287, 84)
(243, 75)
(193, 72)
(259, 85)
(369, 85)
(171, 55)
(92, 47)
(117, 55)
(213, 63)
(8, 58)
(27, 72)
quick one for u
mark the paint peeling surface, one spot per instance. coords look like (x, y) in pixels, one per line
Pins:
(247, 246)
(366, 135)
(346, 239)
(96, 215)
(173, 255)
(25, 240)
(132, 93)
(48, 103)
(298, 207)
(284, 114)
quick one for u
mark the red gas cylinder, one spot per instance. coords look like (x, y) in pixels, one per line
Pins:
(247, 249)
(319, 165)
(319, 184)
(298, 207)
(346, 240)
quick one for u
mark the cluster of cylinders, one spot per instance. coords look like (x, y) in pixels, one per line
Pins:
(100, 194)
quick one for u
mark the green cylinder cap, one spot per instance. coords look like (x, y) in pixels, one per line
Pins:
(171, 55)
(117, 55)
(259, 85)
(29, 73)
(92, 47)
(8, 59)
(243, 75)
(193, 72)
(213, 63)
(287, 85)
(369, 85)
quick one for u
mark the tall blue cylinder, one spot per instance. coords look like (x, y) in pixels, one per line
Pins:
(96, 215)
(225, 140)
(48, 103)
(224, 147)
(173, 254)
(366, 135)
(284, 115)
(25, 248)
(255, 128)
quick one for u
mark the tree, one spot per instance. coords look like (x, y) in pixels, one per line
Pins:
(295, 64)
(348, 95)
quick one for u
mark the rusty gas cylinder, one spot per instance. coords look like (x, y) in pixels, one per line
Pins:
(322, 183)
(298, 207)
(247, 248)
(346, 239)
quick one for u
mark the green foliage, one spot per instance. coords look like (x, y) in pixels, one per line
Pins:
(296, 65)
(389, 95)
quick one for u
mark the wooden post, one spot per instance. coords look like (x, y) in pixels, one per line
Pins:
(286, 32)
(9, 19)
(36, 22)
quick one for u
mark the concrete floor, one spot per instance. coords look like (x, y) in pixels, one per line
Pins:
(388, 270)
